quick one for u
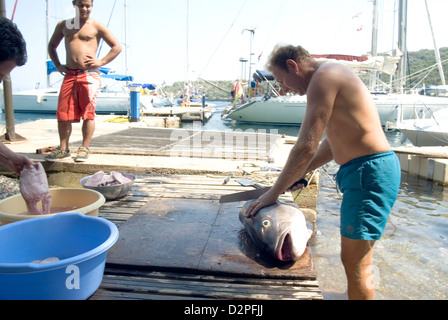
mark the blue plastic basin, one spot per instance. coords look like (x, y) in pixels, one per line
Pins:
(79, 241)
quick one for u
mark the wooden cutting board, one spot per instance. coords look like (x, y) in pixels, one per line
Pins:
(197, 235)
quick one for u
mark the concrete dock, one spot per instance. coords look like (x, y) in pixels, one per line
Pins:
(426, 162)
(170, 155)
(181, 173)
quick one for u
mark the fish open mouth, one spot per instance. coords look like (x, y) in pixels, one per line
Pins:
(285, 252)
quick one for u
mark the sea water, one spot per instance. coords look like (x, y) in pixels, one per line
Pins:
(410, 261)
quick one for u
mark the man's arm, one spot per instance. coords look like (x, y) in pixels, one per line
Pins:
(323, 156)
(112, 42)
(13, 160)
(53, 45)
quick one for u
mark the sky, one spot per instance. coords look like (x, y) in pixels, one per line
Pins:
(157, 33)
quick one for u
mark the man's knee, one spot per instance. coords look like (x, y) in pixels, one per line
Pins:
(356, 252)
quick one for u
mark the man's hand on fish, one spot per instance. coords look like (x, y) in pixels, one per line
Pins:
(269, 198)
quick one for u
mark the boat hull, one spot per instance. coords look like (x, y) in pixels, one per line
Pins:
(292, 112)
(421, 138)
(46, 102)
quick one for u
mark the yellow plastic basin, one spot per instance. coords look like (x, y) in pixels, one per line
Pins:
(87, 201)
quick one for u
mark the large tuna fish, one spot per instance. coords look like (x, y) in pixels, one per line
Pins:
(279, 229)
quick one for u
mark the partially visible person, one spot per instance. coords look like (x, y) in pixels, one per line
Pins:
(186, 101)
(12, 54)
(82, 80)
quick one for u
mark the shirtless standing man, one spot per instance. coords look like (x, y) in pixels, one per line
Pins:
(82, 81)
(340, 106)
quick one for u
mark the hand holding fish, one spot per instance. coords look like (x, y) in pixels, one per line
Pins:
(267, 199)
(271, 197)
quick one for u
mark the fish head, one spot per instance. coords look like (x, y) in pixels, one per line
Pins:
(279, 229)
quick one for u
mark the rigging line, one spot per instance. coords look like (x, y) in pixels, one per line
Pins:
(108, 23)
(416, 74)
(14, 11)
(225, 36)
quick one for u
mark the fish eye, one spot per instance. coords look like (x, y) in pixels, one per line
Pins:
(266, 223)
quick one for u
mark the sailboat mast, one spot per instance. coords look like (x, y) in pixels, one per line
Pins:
(126, 46)
(436, 49)
(48, 37)
(374, 43)
(188, 43)
(402, 44)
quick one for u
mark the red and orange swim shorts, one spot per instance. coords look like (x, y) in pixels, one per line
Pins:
(78, 95)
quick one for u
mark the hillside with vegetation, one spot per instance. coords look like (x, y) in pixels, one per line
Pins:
(214, 90)
(424, 59)
(417, 61)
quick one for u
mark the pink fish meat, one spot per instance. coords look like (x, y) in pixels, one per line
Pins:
(120, 178)
(48, 260)
(100, 179)
(95, 180)
(34, 188)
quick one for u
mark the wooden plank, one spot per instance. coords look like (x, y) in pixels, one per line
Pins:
(186, 143)
(141, 284)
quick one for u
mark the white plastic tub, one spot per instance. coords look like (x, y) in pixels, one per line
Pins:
(86, 201)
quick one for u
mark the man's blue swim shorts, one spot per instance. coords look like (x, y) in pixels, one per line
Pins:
(370, 185)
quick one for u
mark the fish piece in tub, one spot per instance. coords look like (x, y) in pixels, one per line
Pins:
(95, 180)
(120, 178)
(48, 260)
(100, 179)
(279, 230)
(34, 188)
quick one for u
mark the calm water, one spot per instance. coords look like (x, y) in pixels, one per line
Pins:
(410, 261)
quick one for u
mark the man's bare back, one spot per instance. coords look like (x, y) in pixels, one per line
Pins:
(353, 129)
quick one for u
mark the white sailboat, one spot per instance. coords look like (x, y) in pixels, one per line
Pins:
(425, 132)
(274, 108)
(46, 101)
(290, 109)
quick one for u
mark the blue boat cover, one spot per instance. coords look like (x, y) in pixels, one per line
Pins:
(262, 75)
(148, 86)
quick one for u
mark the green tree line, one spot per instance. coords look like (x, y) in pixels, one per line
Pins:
(417, 61)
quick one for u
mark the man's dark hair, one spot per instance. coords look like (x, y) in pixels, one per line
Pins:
(74, 1)
(281, 54)
(12, 44)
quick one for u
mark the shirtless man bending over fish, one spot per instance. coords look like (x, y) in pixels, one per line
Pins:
(340, 107)
(82, 82)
